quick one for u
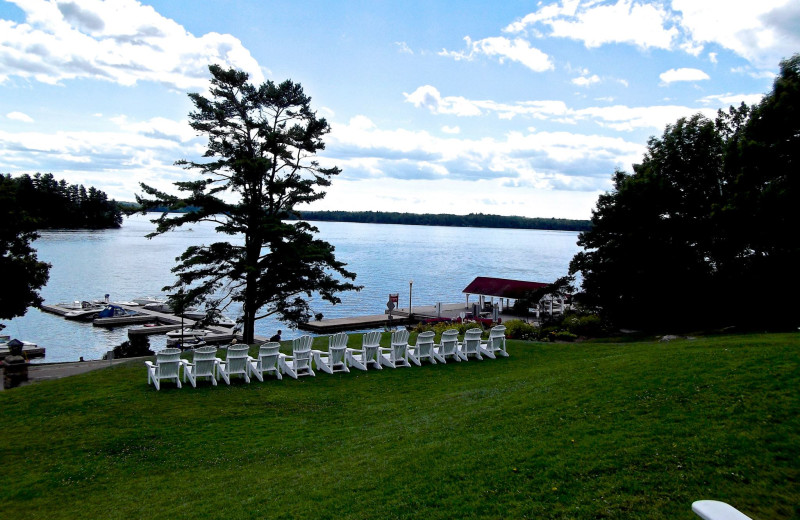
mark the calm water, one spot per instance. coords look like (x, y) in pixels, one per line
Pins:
(440, 260)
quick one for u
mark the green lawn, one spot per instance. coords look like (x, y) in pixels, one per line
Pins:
(588, 430)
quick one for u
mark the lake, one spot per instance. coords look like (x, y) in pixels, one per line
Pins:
(441, 261)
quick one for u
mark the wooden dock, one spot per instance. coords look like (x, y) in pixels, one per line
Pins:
(28, 351)
(156, 323)
(116, 321)
(354, 323)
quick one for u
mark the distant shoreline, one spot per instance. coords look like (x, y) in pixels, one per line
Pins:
(477, 220)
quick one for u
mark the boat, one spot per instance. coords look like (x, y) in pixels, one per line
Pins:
(86, 312)
(163, 307)
(115, 311)
(29, 349)
(146, 300)
(72, 306)
(187, 333)
(214, 317)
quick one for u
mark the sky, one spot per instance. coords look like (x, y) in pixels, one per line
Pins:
(511, 108)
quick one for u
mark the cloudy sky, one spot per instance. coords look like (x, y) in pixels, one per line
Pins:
(512, 107)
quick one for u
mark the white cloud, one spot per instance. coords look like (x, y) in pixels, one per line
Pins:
(547, 160)
(732, 99)
(762, 32)
(757, 74)
(517, 50)
(19, 116)
(683, 74)
(618, 117)
(596, 24)
(451, 129)
(586, 81)
(122, 41)
(404, 48)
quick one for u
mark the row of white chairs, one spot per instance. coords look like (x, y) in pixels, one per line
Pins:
(338, 358)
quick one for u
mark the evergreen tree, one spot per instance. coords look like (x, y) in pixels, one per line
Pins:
(261, 140)
(23, 273)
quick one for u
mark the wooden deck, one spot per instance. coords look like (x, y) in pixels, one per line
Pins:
(355, 323)
(27, 351)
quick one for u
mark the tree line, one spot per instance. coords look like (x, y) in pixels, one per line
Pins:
(428, 219)
(51, 203)
(703, 233)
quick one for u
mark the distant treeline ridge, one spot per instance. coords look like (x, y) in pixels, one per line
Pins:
(54, 204)
(428, 219)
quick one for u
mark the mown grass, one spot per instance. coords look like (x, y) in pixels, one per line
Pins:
(589, 430)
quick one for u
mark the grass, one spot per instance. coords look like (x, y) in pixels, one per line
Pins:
(588, 430)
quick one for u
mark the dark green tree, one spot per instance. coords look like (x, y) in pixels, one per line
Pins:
(703, 232)
(259, 167)
(23, 273)
(647, 260)
(762, 219)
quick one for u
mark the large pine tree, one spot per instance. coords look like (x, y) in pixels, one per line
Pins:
(259, 168)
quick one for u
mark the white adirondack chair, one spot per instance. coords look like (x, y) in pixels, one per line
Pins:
(335, 359)
(204, 364)
(269, 355)
(299, 363)
(397, 354)
(369, 354)
(167, 366)
(471, 346)
(715, 510)
(423, 349)
(237, 362)
(496, 344)
(448, 346)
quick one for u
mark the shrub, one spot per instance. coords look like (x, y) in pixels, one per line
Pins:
(518, 329)
(588, 325)
(137, 346)
(438, 328)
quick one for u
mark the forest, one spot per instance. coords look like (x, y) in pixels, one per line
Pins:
(428, 219)
(54, 204)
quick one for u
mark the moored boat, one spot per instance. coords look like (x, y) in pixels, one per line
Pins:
(115, 311)
(87, 311)
(187, 333)
(146, 300)
(214, 317)
(159, 307)
(29, 349)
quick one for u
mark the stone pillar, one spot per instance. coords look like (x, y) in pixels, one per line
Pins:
(15, 367)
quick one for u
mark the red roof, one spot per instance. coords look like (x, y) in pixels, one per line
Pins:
(502, 288)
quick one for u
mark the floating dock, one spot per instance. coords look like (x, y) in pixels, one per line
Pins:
(28, 351)
(156, 323)
(355, 323)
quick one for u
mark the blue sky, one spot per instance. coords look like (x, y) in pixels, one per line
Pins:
(512, 108)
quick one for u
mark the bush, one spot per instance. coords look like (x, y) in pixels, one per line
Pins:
(137, 346)
(438, 328)
(518, 329)
(588, 325)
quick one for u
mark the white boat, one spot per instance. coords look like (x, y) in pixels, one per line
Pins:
(29, 349)
(73, 306)
(159, 307)
(188, 333)
(146, 300)
(217, 318)
(86, 312)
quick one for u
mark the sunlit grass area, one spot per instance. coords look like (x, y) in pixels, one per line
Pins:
(586, 430)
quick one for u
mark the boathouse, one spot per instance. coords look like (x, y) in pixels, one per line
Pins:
(505, 290)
